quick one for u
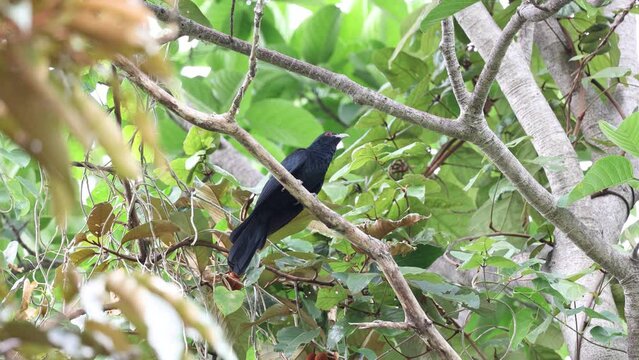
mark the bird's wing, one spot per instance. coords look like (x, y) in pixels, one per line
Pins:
(291, 163)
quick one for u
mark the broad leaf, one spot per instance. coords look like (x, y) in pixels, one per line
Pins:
(445, 9)
(153, 228)
(607, 172)
(317, 35)
(329, 297)
(228, 301)
(282, 122)
(626, 136)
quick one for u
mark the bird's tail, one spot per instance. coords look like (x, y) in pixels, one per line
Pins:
(247, 239)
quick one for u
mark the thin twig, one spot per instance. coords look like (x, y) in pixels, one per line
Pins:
(94, 167)
(446, 151)
(79, 312)
(250, 74)
(383, 324)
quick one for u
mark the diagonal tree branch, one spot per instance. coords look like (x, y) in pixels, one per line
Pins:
(359, 94)
(376, 249)
(488, 74)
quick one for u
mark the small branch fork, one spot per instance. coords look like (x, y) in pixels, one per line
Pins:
(471, 127)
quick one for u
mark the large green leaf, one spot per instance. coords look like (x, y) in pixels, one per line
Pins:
(190, 10)
(283, 122)
(317, 35)
(607, 172)
(445, 9)
(290, 338)
(228, 301)
(404, 71)
(329, 297)
(626, 136)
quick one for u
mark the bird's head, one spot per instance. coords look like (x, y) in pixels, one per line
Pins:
(329, 140)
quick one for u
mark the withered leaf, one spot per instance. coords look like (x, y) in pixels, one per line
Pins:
(382, 227)
(154, 227)
(100, 219)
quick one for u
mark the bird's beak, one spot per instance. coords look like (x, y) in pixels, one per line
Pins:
(340, 145)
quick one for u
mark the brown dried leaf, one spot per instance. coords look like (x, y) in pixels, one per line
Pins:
(100, 219)
(401, 248)
(67, 280)
(80, 255)
(80, 238)
(159, 208)
(27, 291)
(382, 227)
(223, 238)
(117, 341)
(33, 121)
(205, 198)
(154, 227)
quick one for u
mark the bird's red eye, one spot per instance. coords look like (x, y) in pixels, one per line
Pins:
(328, 133)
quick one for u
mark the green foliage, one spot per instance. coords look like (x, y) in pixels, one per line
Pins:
(626, 136)
(443, 10)
(310, 284)
(604, 173)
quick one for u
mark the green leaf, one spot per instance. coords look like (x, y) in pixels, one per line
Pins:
(610, 72)
(423, 256)
(290, 338)
(607, 172)
(571, 291)
(355, 282)
(500, 262)
(605, 334)
(403, 72)
(228, 301)
(626, 136)
(368, 353)
(281, 121)
(445, 9)
(198, 139)
(190, 10)
(329, 297)
(317, 35)
(448, 292)
(397, 9)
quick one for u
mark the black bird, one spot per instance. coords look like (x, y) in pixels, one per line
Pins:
(276, 207)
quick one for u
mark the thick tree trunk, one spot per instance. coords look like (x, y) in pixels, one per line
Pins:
(567, 259)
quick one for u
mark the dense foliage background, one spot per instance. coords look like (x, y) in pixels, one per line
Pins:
(489, 293)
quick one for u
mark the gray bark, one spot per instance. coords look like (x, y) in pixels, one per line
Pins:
(549, 139)
(609, 211)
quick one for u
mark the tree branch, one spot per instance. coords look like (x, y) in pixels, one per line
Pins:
(374, 248)
(358, 93)
(447, 47)
(377, 324)
(488, 74)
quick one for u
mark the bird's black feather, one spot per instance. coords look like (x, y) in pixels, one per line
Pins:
(275, 207)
